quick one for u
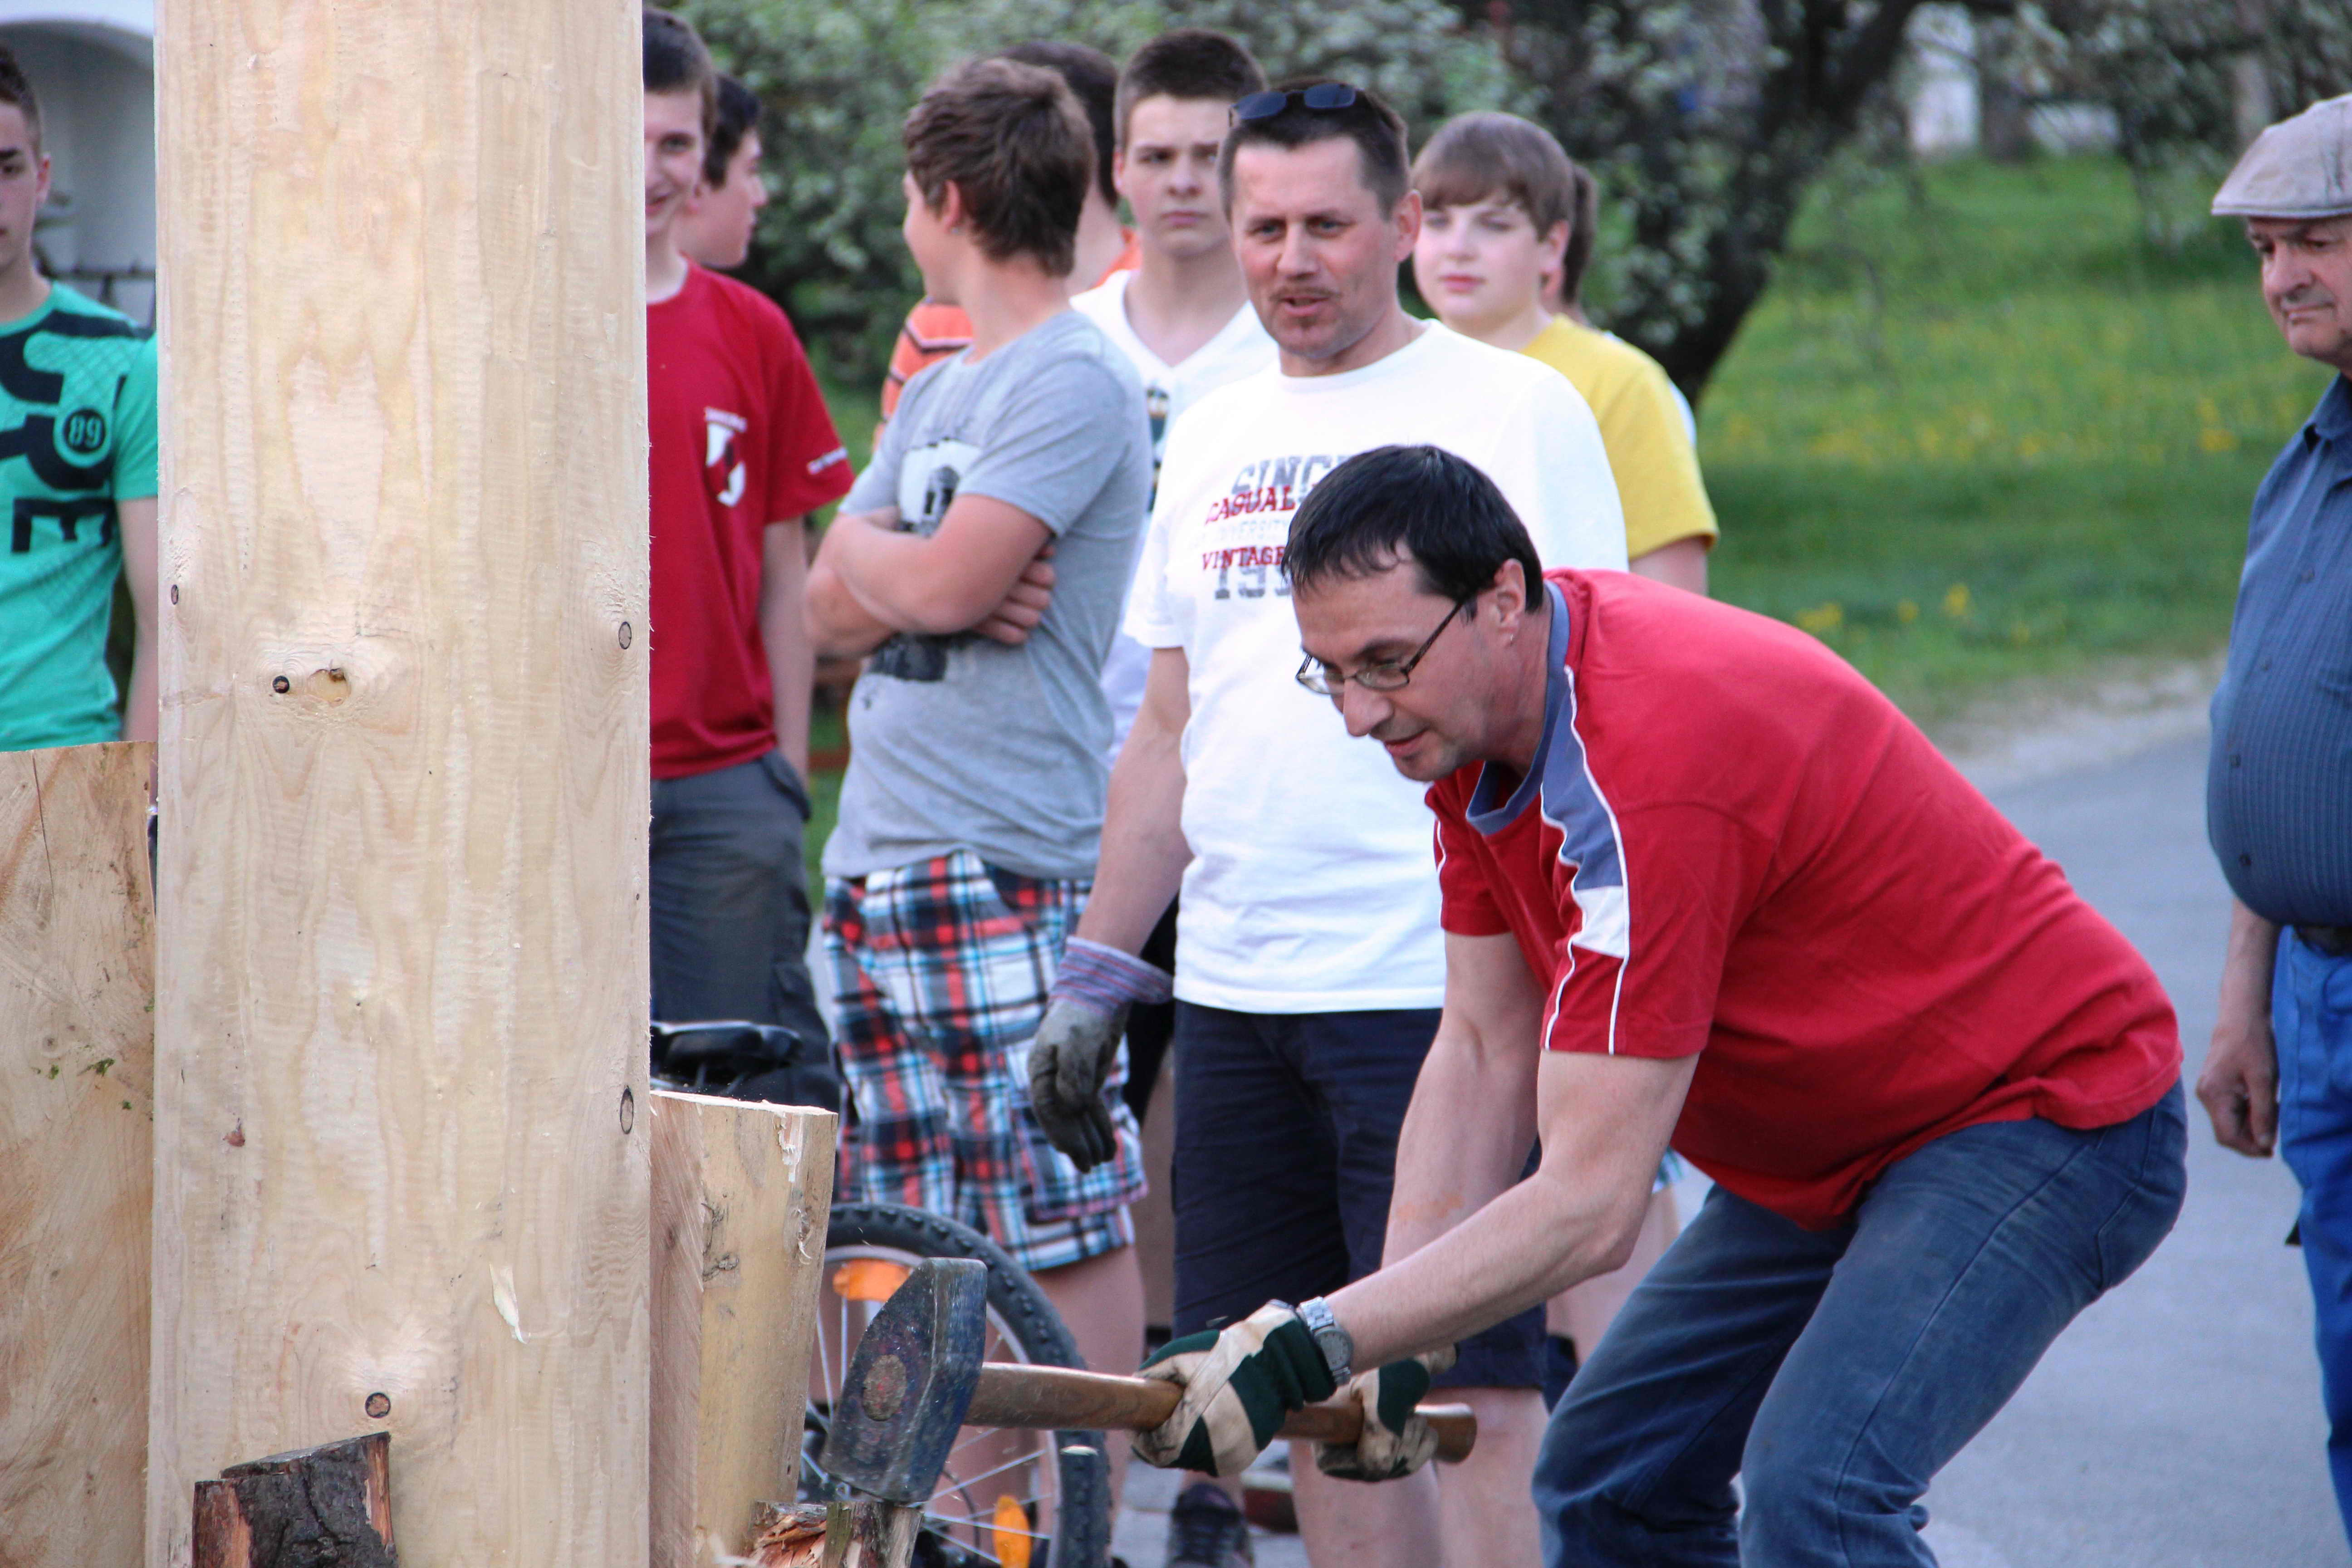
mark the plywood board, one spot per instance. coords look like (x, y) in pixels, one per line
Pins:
(77, 1109)
(740, 1196)
(401, 1178)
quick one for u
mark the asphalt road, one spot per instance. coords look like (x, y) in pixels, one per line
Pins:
(2177, 1424)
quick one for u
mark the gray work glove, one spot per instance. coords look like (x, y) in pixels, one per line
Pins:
(1071, 1058)
(1395, 1441)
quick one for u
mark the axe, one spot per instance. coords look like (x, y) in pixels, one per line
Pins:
(916, 1377)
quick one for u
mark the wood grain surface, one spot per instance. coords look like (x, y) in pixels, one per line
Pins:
(401, 1172)
(76, 1111)
(740, 1196)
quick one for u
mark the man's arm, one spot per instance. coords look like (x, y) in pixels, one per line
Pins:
(1605, 1120)
(1143, 849)
(136, 519)
(784, 632)
(2240, 1084)
(1473, 1117)
(1682, 564)
(953, 581)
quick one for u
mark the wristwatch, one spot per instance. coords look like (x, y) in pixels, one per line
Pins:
(1339, 1346)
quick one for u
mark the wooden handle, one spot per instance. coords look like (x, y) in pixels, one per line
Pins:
(1010, 1394)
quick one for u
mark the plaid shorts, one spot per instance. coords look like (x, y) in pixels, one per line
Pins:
(940, 972)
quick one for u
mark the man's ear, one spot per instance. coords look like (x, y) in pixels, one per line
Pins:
(1554, 245)
(1118, 170)
(1511, 591)
(950, 210)
(1408, 224)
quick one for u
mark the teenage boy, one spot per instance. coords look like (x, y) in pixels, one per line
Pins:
(935, 329)
(1311, 966)
(1503, 209)
(1182, 317)
(971, 812)
(717, 229)
(78, 473)
(742, 450)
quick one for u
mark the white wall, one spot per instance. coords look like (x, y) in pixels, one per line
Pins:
(92, 67)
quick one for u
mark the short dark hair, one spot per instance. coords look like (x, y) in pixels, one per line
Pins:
(1092, 77)
(16, 88)
(1377, 508)
(1489, 156)
(1189, 62)
(675, 61)
(1377, 130)
(1012, 139)
(737, 117)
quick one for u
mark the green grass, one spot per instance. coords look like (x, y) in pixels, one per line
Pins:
(1996, 433)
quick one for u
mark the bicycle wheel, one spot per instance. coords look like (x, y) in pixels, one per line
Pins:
(1010, 1498)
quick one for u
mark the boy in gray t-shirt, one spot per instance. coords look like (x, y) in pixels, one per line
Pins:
(981, 566)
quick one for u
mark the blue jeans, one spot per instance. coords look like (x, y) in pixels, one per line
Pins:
(2310, 1018)
(1836, 1372)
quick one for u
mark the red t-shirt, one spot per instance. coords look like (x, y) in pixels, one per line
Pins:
(741, 439)
(1733, 845)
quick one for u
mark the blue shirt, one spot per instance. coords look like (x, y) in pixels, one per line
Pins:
(2278, 786)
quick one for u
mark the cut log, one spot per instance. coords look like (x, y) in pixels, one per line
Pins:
(77, 1110)
(740, 1196)
(328, 1507)
(401, 1179)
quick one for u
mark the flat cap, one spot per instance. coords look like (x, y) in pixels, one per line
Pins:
(2298, 168)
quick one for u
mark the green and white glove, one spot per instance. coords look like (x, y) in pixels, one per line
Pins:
(1238, 1385)
(1395, 1442)
(1077, 1042)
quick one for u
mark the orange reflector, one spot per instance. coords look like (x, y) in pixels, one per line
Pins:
(1009, 1532)
(868, 1278)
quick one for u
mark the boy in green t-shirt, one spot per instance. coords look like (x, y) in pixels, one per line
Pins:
(76, 475)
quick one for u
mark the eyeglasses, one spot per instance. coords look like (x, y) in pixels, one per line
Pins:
(1387, 675)
(1323, 97)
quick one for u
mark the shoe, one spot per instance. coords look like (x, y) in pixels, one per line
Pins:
(1206, 1530)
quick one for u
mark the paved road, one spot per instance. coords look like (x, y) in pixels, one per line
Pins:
(2177, 1424)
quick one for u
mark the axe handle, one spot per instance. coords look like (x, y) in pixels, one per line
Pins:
(1012, 1394)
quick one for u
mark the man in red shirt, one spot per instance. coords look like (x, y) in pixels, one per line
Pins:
(742, 450)
(1703, 884)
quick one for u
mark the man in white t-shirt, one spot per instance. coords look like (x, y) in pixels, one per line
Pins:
(1311, 963)
(1182, 316)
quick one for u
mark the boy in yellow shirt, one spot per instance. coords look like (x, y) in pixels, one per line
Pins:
(1502, 210)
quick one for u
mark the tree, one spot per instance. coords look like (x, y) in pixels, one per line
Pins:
(1703, 121)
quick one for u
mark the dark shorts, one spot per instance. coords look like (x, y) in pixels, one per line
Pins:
(1285, 1146)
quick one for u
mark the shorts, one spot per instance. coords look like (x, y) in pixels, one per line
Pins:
(1285, 1148)
(940, 972)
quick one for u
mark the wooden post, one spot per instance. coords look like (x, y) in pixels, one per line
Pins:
(740, 1196)
(77, 1055)
(328, 1507)
(400, 1174)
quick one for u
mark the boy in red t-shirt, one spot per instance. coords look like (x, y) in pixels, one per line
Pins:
(742, 450)
(1703, 883)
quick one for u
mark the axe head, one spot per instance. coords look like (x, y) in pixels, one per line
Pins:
(907, 1387)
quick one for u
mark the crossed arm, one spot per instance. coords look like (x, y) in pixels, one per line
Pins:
(1468, 1243)
(986, 570)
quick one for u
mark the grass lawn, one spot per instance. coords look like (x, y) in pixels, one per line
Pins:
(1996, 433)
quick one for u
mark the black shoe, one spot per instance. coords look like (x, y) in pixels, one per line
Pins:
(1206, 1530)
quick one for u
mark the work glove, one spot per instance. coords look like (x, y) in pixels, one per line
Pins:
(1395, 1442)
(1070, 1059)
(1238, 1385)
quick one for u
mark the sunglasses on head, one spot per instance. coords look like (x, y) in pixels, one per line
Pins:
(1323, 97)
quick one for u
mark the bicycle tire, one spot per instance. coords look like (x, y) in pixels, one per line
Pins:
(1082, 1525)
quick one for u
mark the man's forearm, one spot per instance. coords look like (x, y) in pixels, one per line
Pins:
(1466, 1137)
(784, 632)
(2246, 968)
(1143, 848)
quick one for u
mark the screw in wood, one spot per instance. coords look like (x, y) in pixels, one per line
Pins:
(281, 686)
(175, 593)
(624, 634)
(628, 1109)
(379, 1405)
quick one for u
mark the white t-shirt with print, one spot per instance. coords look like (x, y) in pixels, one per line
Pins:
(1240, 348)
(1311, 887)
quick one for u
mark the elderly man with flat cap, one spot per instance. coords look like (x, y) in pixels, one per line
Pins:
(2279, 783)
